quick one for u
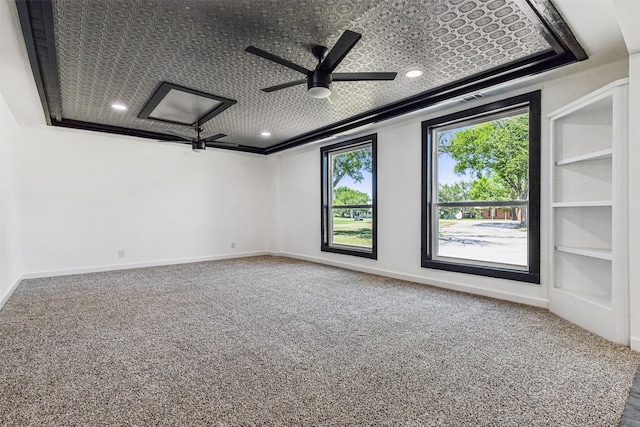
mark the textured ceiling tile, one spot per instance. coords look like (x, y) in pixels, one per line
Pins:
(121, 50)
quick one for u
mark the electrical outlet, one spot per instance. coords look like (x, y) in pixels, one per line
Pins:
(233, 245)
(121, 253)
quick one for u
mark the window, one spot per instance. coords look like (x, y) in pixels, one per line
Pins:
(481, 190)
(349, 197)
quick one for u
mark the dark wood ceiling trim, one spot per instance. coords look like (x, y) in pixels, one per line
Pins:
(77, 124)
(534, 17)
(36, 21)
(51, 58)
(161, 137)
(525, 67)
(549, 22)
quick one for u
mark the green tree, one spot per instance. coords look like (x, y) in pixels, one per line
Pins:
(486, 188)
(458, 192)
(348, 196)
(352, 164)
(496, 153)
(497, 150)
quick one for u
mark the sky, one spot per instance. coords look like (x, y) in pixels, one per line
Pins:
(446, 175)
(364, 185)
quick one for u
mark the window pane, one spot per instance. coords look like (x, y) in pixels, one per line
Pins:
(351, 186)
(486, 161)
(356, 230)
(491, 234)
(351, 177)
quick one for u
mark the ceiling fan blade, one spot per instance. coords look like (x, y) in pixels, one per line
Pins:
(355, 77)
(222, 144)
(180, 141)
(213, 137)
(345, 43)
(271, 57)
(284, 86)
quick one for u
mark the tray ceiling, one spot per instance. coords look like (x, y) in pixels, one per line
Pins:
(92, 54)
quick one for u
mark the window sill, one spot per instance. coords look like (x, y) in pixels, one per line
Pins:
(348, 250)
(500, 273)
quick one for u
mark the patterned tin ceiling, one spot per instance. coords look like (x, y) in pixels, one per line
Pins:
(121, 51)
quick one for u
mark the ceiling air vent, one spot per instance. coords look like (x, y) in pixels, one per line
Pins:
(470, 97)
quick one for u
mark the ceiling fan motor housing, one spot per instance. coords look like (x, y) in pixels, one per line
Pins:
(317, 80)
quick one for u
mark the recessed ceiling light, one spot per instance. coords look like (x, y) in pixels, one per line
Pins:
(266, 134)
(413, 73)
(119, 107)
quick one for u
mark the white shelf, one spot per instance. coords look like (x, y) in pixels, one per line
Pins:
(583, 204)
(605, 254)
(597, 155)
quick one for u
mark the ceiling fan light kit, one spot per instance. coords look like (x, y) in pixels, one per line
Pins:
(319, 92)
(198, 146)
(318, 81)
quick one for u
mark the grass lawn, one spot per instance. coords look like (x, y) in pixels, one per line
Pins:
(346, 231)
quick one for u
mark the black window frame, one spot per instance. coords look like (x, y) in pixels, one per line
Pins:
(325, 199)
(532, 274)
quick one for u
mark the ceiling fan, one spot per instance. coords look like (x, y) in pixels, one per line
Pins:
(199, 144)
(319, 80)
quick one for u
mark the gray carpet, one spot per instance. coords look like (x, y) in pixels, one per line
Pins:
(275, 341)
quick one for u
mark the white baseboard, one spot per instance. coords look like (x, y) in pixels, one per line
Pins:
(521, 299)
(4, 298)
(101, 268)
(635, 344)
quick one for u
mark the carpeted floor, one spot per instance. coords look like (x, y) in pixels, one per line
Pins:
(275, 341)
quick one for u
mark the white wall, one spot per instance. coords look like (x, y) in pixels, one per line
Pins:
(399, 195)
(274, 241)
(10, 237)
(11, 64)
(85, 196)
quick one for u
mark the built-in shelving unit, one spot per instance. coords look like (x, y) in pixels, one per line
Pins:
(589, 279)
